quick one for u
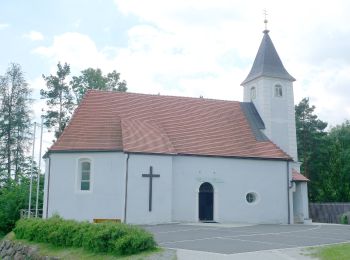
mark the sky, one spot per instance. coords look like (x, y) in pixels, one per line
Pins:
(184, 47)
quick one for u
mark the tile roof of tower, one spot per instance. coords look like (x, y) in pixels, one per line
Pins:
(267, 62)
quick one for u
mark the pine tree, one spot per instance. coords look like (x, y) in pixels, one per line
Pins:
(310, 131)
(14, 121)
(59, 99)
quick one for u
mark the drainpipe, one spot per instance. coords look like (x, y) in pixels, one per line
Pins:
(48, 188)
(126, 185)
(288, 187)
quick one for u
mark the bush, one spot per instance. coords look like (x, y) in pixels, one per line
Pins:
(136, 241)
(13, 198)
(113, 238)
(344, 219)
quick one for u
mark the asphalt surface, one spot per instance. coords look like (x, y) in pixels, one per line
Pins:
(230, 240)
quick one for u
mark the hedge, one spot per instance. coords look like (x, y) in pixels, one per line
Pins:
(115, 238)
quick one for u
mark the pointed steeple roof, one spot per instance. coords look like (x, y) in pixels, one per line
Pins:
(267, 62)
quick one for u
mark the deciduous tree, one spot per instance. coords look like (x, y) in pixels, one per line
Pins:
(94, 79)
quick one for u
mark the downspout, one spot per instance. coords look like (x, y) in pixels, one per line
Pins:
(48, 188)
(288, 187)
(126, 185)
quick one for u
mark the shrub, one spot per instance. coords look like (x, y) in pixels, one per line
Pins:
(136, 241)
(344, 219)
(13, 198)
(80, 233)
(114, 238)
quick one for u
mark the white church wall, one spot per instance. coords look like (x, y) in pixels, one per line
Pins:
(232, 179)
(138, 189)
(300, 202)
(45, 187)
(106, 198)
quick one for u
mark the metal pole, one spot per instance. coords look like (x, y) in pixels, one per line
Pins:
(39, 171)
(31, 174)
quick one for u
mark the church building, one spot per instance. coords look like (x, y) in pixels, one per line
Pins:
(147, 159)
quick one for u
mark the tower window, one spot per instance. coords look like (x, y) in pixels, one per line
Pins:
(278, 90)
(252, 93)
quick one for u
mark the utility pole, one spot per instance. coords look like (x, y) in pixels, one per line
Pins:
(31, 174)
(39, 171)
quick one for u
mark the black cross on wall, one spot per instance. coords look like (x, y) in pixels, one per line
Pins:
(150, 176)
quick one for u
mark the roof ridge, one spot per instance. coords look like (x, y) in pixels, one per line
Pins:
(160, 95)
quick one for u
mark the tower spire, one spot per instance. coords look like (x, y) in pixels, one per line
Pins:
(265, 22)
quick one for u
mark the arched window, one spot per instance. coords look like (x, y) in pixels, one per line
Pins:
(85, 174)
(278, 90)
(252, 93)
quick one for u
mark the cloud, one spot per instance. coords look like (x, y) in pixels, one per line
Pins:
(4, 25)
(34, 36)
(185, 48)
(74, 48)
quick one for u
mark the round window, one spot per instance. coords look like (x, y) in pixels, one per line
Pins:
(250, 197)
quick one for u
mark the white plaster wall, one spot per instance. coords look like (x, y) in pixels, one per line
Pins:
(277, 113)
(300, 201)
(232, 179)
(45, 187)
(138, 189)
(106, 198)
(305, 199)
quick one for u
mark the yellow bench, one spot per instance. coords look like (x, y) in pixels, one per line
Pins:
(102, 220)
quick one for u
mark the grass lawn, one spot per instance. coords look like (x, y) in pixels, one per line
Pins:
(334, 252)
(79, 253)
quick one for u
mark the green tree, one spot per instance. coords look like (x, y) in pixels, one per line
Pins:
(15, 121)
(94, 79)
(13, 198)
(312, 146)
(335, 178)
(59, 99)
(310, 131)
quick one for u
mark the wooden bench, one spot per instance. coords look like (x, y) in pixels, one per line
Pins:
(103, 220)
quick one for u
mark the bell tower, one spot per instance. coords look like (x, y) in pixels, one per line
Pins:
(270, 87)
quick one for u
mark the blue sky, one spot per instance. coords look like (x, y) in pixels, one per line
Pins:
(100, 20)
(183, 47)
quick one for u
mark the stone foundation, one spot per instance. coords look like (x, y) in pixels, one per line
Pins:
(17, 251)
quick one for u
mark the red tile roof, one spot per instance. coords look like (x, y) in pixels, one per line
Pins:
(143, 123)
(297, 176)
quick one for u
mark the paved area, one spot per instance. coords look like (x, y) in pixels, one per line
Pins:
(214, 239)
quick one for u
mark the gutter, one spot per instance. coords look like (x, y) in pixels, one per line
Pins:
(48, 188)
(126, 185)
(288, 188)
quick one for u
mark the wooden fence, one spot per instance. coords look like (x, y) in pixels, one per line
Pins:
(328, 212)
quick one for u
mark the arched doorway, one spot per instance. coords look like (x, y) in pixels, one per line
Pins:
(206, 202)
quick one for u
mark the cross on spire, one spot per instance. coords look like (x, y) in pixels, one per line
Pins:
(265, 21)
